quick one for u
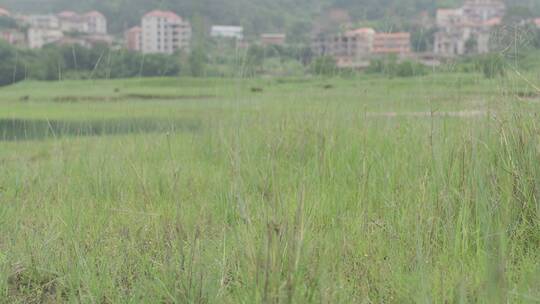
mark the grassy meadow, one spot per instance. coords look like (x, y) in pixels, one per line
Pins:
(360, 190)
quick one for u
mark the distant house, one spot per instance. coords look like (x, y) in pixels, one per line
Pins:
(223, 31)
(41, 21)
(467, 29)
(165, 32)
(38, 37)
(92, 22)
(72, 22)
(273, 39)
(392, 44)
(537, 22)
(133, 39)
(350, 49)
(354, 48)
(13, 37)
(4, 12)
(97, 23)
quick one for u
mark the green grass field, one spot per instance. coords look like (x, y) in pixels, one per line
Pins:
(363, 190)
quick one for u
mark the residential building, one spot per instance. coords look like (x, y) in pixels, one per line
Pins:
(41, 21)
(351, 48)
(467, 29)
(273, 39)
(222, 31)
(97, 23)
(133, 39)
(392, 44)
(13, 37)
(71, 22)
(92, 22)
(355, 48)
(4, 12)
(38, 37)
(537, 22)
(165, 32)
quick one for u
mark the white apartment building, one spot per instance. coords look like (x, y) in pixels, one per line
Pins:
(97, 23)
(72, 22)
(223, 31)
(41, 21)
(38, 37)
(165, 32)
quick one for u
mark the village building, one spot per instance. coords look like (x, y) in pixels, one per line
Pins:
(165, 32)
(355, 48)
(39, 37)
(13, 37)
(349, 49)
(224, 31)
(467, 30)
(97, 23)
(273, 39)
(4, 12)
(71, 22)
(133, 39)
(392, 44)
(40, 21)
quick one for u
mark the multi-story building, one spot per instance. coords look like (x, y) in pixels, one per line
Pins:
(41, 21)
(39, 37)
(392, 44)
(467, 29)
(13, 37)
(92, 22)
(133, 39)
(97, 23)
(223, 31)
(354, 49)
(165, 32)
(351, 48)
(71, 22)
(273, 39)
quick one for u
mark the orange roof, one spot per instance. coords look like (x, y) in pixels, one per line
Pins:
(163, 14)
(4, 12)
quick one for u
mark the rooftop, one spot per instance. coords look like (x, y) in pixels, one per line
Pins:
(134, 29)
(361, 31)
(94, 14)
(162, 14)
(67, 14)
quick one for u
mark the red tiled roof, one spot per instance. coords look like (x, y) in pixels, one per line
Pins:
(163, 14)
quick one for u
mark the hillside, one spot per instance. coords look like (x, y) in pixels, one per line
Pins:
(256, 15)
